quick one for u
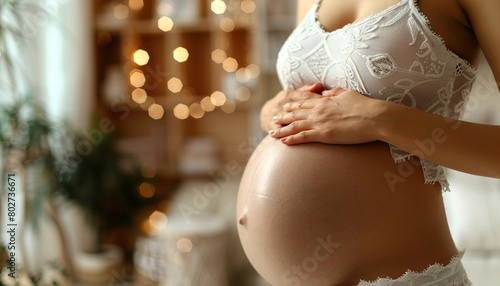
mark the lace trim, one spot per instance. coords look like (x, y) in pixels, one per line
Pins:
(439, 38)
(360, 21)
(452, 274)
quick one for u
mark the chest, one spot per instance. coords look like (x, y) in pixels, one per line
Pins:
(447, 18)
(390, 55)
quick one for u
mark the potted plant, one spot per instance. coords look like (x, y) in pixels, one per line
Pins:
(104, 184)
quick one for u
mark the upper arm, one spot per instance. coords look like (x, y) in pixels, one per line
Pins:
(303, 6)
(485, 20)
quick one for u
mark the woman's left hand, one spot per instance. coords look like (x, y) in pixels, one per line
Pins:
(339, 117)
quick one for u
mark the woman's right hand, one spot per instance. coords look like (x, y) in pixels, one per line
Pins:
(274, 106)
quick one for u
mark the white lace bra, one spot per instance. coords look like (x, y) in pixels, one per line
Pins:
(392, 55)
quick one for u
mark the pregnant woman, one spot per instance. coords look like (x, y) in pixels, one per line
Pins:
(347, 187)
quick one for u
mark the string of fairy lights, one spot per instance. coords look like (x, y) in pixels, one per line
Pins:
(227, 14)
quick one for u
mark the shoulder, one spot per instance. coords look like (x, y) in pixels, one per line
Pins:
(303, 6)
(484, 20)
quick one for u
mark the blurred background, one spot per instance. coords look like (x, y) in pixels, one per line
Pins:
(125, 127)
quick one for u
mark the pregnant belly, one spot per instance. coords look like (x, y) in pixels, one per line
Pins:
(316, 214)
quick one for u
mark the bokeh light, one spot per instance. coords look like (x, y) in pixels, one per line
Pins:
(181, 54)
(175, 85)
(218, 98)
(254, 70)
(148, 171)
(181, 111)
(156, 111)
(230, 64)
(147, 190)
(184, 245)
(136, 5)
(248, 6)
(158, 221)
(196, 111)
(218, 56)
(227, 25)
(207, 105)
(137, 78)
(243, 94)
(121, 12)
(165, 24)
(141, 57)
(139, 95)
(218, 7)
(229, 107)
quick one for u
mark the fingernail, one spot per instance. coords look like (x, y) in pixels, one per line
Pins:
(286, 106)
(275, 118)
(324, 92)
(272, 132)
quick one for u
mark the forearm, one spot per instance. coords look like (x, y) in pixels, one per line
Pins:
(463, 146)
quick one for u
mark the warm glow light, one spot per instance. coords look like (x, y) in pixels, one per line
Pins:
(181, 111)
(196, 111)
(218, 98)
(230, 64)
(218, 7)
(139, 95)
(181, 54)
(156, 111)
(254, 70)
(148, 171)
(137, 78)
(207, 105)
(165, 24)
(184, 245)
(121, 12)
(175, 85)
(229, 107)
(147, 190)
(136, 5)
(227, 25)
(243, 94)
(248, 6)
(141, 57)
(218, 56)
(243, 75)
(158, 221)
(165, 8)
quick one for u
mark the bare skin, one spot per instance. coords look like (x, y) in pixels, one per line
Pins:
(295, 191)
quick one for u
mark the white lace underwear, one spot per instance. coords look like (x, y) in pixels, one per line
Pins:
(452, 274)
(393, 55)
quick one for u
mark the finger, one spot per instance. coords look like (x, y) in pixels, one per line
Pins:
(289, 117)
(333, 92)
(315, 88)
(295, 96)
(303, 104)
(306, 136)
(291, 129)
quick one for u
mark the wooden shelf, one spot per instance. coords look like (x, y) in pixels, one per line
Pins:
(197, 77)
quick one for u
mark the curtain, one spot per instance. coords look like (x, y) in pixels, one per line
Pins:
(60, 67)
